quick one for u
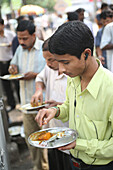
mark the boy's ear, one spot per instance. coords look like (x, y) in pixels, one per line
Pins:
(86, 54)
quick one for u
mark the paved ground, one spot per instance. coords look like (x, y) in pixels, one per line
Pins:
(21, 153)
(24, 161)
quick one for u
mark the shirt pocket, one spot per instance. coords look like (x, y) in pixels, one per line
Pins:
(101, 128)
(89, 129)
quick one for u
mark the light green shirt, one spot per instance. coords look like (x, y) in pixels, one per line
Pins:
(92, 118)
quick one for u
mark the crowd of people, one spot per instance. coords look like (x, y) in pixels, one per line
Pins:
(71, 71)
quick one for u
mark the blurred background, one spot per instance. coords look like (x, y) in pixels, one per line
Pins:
(47, 16)
(11, 9)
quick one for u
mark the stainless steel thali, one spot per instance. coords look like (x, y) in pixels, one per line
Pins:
(27, 107)
(63, 136)
(4, 44)
(12, 77)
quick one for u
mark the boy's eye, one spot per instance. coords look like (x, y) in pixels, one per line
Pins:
(51, 60)
(66, 63)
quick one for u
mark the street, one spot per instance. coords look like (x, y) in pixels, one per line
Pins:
(19, 154)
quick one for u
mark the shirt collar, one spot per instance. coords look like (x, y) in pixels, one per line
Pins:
(94, 84)
(37, 44)
(5, 33)
(61, 76)
(57, 76)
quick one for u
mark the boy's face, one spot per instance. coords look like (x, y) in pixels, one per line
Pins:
(71, 65)
(50, 60)
(106, 21)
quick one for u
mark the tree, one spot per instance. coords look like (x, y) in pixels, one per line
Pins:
(48, 4)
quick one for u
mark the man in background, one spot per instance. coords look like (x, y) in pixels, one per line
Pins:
(106, 17)
(80, 12)
(29, 61)
(6, 37)
(107, 44)
(54, 83)
(72, 16)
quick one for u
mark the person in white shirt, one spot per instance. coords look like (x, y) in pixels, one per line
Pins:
(107, 44)
(59, 20)
(6, 37)
(80, 12)
(28, 60)
(55, 84)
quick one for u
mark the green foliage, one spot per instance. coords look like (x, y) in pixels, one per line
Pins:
(5, 1)
(68, 2)
(48, 4)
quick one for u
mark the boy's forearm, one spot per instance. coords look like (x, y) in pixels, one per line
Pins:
(39, 86)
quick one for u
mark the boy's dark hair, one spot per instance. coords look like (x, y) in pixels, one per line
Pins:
(1, 21)
(106, 13)
(111, 6)
(79, 10)
(71, 38)
(45, 46)
(104, 5)
(72, 16)
(26, 25)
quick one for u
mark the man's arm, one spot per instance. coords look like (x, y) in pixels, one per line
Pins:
(61, 112)
(38, 96)
(97, 44)
(99, 55)
(29, 75)
(45, 115)
(52, 103)
(13, 69)
(108, 47)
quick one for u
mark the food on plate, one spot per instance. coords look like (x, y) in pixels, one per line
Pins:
(14, 76)
(4, 44)
(40, 136)
(45, 136)
(61, 134)
(35, 105)
(52, 137)
(34, 137)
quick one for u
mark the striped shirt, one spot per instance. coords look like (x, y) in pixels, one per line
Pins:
(27, 61)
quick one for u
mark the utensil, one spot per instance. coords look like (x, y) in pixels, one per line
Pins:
(69, 136)
(28, 107)
(12, 77)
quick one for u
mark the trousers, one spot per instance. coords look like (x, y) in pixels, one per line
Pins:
(59, 160)
(6, 84)
(38, 155)
(93, 167)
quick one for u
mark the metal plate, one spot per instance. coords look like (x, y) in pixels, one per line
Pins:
(12, 77)
(28, 107)
(69, 136)
(14, 130)
(4, 44)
